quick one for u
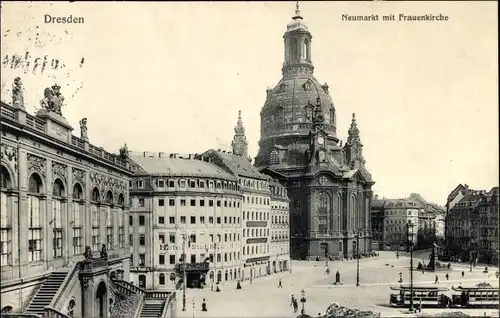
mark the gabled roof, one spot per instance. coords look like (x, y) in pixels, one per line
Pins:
(236, 164)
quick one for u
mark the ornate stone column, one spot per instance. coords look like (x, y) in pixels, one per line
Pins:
(47, 217)
(21, 255)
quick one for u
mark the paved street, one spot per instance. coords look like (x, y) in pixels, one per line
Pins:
(262, 298)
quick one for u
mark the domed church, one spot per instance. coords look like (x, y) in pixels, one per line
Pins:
(328, 184)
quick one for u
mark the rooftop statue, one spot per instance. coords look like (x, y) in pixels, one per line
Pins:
(53, 99)
(17, 93)
(83, 129)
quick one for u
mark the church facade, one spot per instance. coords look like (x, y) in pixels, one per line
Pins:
(327, 182)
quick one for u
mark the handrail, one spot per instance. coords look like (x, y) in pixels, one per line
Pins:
(157, 294)
(64, 286)
(124, 289)
(138, 310)
(54, 313)
(167, 306)
(131, 286)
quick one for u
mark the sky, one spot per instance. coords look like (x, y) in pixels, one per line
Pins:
(172, 77)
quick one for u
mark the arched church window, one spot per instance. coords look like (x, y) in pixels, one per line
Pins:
(323, 207)
(5, 175)
(307, 52)
(352, 213)
(273, 158)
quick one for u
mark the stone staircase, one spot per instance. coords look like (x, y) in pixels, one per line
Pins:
(46, 293)
(152, 308)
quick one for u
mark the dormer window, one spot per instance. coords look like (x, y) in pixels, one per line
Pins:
(140, 183)
(161, 183)
(210, 184)
(182, 183)
(192, 184)
(202, 184)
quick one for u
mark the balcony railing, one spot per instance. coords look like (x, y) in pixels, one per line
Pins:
(38, 124)
(93, 264)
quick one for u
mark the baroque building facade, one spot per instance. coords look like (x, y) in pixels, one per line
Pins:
(184, 208)
(64, 206)
(280, 231)
(328, 184)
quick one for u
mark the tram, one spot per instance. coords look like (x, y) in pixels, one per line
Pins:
(422, 296)
(470, 297)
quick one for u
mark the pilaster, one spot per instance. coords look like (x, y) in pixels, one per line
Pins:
(69, 218)
(21, 254)
(47, 217)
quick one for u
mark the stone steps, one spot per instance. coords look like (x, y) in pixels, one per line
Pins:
(46, 293)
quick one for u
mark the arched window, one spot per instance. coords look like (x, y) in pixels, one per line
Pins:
(307, 50)
(95, 195)
(78, 208)
(323, 208)
(121, 221)
(352, 213)
(35, 184)
(5, 177)
(56, 222)
(71, 308)
(35, 227)
(109, 221)
(96, 222)
(5, 218)
(162, 279)
(121, 200)
(295, 49)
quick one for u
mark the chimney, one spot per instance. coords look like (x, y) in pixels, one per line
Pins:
(172, 155)
(160, 154)
(144, 154)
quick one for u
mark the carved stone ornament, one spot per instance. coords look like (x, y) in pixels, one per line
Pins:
(60, 171)
(79, 176)
(308, 85)
(105, 183)
(282, 88)
(87, 282)
(53, 99)
(37, 164)
(9, 153)
(17, 93)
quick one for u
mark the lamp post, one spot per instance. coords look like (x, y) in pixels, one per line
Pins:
(357, 257)
(183, 271)
(193, 307)
(303, 301)
(409, 228)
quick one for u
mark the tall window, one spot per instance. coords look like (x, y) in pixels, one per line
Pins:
(295, 49)
(121, 222)
(56, 222)
(78, 208)
(5, 219)
(273, 158)
(96, 230)
(309, 113)
(352, 214)
(339, 213)
(34, 227)
(109, 221)
(323, 208)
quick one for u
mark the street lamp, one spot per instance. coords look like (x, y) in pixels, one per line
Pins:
(357, 257)
(193, 307)
(183, 271)
(409, 231)
(303, 300)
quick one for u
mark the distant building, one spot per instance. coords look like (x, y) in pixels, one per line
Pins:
(183, 208)
(432, 217)
(472, 225)
(280, 230)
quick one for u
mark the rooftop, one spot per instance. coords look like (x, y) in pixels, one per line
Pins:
(237, 164)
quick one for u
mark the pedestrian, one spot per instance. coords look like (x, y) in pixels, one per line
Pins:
(337, 278)
(279, 284)
(204, 305)
(292, 301)
(217, 289)
(327, 272)
(436, 280)
(447, 276)
(496, 274)
(400, 277)
(295, 305)
(463, 274)
(238, 285)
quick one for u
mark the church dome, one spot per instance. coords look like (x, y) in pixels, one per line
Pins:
(289, 106)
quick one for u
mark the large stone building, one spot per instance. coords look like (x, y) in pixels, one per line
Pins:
(328, 184)
(64, 211)
(472, 225)
(280, 231)
(183, 207)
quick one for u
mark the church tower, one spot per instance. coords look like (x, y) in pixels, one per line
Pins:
(240, 143)
(327, 183)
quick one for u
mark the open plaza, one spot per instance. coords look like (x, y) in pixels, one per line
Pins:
(263, 297)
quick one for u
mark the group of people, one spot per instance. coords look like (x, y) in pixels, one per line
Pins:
(337, 275)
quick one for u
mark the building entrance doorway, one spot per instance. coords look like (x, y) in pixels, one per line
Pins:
(324, 249)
